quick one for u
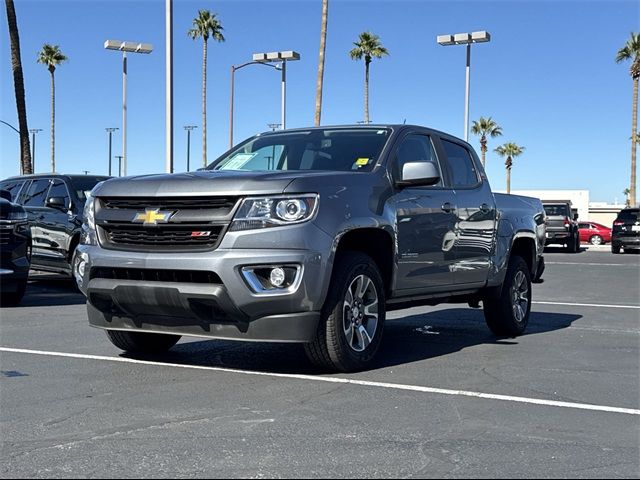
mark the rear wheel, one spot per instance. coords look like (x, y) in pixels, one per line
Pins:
(350, 330)
(11, 299)
(596, 240)
(508, 314)
(615, 249)
(573, 244)
(142, 342)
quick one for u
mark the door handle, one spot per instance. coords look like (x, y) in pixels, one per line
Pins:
(447, 207)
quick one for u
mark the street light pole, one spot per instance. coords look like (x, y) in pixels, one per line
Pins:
(110, 130)
(33, 132)
(169, 85)
(233, 73)
(125, 47)
(465, 39)
(188, 128)
(119, 157)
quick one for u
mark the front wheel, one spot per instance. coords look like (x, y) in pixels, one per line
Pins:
(11, 299)
(508, 315)
(615, 249)
(350, 330)
(142, 342)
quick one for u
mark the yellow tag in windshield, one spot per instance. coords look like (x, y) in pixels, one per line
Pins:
(362, 161)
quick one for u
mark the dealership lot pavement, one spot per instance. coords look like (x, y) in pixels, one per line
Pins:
(446, 399)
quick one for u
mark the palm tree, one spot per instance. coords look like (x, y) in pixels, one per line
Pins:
(626, 193)
(205, 25)
(509, 150)
(18, 83)
(367, 46)
(51, 56)
(631, 51)
(323, 45)
(484, 127)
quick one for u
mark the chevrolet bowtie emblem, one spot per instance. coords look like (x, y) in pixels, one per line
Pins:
(152, 216)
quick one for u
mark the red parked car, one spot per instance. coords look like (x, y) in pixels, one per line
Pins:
(594, 233)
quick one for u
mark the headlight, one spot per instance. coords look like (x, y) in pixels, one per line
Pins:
(88, 235)
(17, 216)
(264, 212)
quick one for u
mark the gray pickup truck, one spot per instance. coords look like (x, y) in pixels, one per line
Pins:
(308, 236)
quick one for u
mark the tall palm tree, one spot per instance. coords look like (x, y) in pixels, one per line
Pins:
(205, 26)
(484, 127)
(509, 150)
(369, 47)
(323, 45)
(18, 83)
(631, 51)
(51, 56)
(626, 193)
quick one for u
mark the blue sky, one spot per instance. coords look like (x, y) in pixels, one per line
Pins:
(548, 77)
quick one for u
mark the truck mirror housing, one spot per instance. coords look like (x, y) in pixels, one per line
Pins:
(419, 173)
(6, 194)
(56, 202)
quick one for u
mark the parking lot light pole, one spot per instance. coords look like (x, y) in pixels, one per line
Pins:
(125, 47)
(33, 132)
(110, 131)
(465, 39)
(119, 157)
(283, 58)
(188, 128)
(233, 73)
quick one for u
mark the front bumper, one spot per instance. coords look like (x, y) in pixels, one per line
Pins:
(14, 263)
(224, 308)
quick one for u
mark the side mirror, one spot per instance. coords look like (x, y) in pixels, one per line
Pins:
(58, 203)
(418, 173)
(6, 194)
(575, 217)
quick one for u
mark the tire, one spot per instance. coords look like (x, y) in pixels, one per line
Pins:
(11, 299)
(596, 240)
(142, 342)
(508, 315)
(573, 245)
(353, 315)
(615, 249)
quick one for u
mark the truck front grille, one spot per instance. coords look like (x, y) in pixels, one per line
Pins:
(167, 203)
(204, 236)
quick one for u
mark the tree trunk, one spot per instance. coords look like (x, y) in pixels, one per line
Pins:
(483, 149)
(509, 163)
(204, 104)
(53, 121)
(366, 90)
(323, 44)
(18, 83)
(634, 144)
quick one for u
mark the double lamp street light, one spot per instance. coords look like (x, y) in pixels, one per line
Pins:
(465, 39)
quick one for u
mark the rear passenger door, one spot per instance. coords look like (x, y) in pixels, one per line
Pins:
(475, 215)
(57, 226)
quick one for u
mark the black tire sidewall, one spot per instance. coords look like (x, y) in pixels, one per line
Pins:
(499, 312)
(351, 265)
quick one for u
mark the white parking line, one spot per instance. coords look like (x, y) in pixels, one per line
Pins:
(599, 305)
(393, 386)
(636, 265)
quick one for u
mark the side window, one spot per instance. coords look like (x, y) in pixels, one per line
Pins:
(59, 189)
(463, 170)
(13, 187)
(36, 193)
(416, 148)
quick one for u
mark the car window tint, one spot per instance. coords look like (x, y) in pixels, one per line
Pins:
(36, 193)
(556, 210)
(463, 170)
(59, 189)
(629, 215)
(416, 148)
(13, 187)
(584, 225)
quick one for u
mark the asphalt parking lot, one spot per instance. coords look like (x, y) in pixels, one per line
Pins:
(446, 398)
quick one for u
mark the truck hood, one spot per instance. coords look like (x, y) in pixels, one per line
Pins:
(203, 183)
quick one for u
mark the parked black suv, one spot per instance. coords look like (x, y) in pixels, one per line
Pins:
(15, 251)
(54, 204)
(562, 226)
(626, 230)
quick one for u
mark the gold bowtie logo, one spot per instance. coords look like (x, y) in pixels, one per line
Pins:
(152, 216)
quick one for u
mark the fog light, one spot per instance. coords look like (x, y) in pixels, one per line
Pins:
(276, 277)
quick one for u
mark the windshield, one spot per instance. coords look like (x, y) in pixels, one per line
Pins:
(355, 149)
(557, 210)
(629, 215)
(82, 186)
